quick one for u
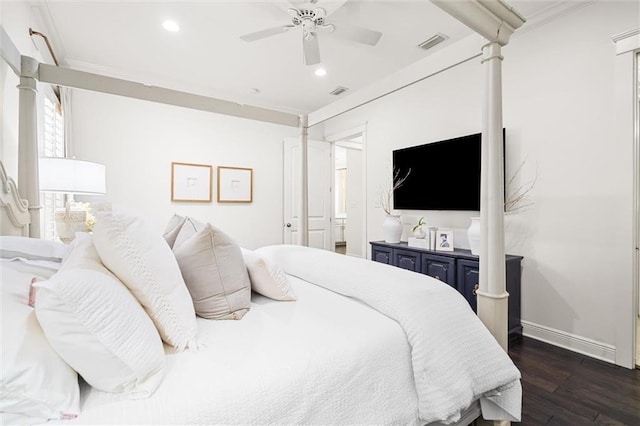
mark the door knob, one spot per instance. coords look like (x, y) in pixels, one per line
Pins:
(288, 225)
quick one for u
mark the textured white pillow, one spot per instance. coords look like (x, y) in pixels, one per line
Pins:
(98, 327)
(212, 266)
(266, 277)
(34, 380)
(143, 261)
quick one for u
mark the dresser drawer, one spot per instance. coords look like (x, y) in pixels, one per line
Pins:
(468, 279)
(439, 267)
(382, 254)
(406, 259)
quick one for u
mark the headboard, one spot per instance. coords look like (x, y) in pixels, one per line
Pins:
(14, 211)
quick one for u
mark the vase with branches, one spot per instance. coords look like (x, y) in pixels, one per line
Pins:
(385, 194)
(392, 226)
(516, 201)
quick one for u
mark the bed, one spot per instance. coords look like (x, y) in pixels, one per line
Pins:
(364, 343)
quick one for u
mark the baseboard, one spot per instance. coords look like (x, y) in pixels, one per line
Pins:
(579, 344)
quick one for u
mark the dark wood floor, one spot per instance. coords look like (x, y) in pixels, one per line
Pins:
(561, 387)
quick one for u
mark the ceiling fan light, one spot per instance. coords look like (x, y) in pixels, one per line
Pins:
(170, 26)
(320, 72)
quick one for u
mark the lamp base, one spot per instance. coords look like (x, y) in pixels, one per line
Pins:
(68, 222)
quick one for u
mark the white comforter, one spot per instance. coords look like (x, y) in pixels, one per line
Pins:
(455, 359)
(323, 359)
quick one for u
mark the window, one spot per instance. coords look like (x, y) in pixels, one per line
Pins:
(52, 146)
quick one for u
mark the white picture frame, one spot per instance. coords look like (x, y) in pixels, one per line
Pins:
(444, 240)
(235, 185)
(191, 182)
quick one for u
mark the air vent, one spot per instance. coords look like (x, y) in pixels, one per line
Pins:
(338, 91)
(436, 39)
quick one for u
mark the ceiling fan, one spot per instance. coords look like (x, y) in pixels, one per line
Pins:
(311, 20)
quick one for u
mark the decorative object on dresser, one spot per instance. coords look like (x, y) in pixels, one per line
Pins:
(392, 226)
(235, 185)
(191, 182)
(444, 240)
(473, 233)
(458, 268)
(417, 230)
(71, 176)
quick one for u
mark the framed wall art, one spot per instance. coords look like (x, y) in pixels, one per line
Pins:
(235, 185)
(191, 182)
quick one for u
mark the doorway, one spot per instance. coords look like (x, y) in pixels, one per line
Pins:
(319, 190)
(348, 213)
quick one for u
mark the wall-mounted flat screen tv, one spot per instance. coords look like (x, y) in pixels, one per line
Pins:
(444, 175)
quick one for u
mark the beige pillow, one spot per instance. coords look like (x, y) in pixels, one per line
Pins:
(173, 228)
(266, 277)
(141, 259)
(213, 269)
(187, 229)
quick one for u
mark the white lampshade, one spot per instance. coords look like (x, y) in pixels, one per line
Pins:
(71, 176)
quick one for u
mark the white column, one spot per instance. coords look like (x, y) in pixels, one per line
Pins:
(303, 226)
(28, 184)
(492, 295)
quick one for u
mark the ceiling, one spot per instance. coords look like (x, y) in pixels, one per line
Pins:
(126, 39)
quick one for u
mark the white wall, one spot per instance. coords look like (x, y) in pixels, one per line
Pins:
(558, 112)
(138, 140)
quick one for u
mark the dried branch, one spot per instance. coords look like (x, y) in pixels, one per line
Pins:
(518, 198)
(385, 194)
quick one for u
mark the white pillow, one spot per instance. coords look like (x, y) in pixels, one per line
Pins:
(31, 249)
(266, 277)
(212, 266)
(143, 261)
(98, 327)
(35, 381)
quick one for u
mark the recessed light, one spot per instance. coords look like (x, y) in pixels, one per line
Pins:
(320, 72)
(170, 26)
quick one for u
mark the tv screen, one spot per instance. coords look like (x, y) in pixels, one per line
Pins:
(444, 175)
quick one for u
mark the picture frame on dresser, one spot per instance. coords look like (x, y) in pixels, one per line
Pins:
(444, 240)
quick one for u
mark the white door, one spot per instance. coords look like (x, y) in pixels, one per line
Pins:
(319, 168)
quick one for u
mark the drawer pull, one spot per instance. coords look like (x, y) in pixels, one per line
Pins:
(437, 277)
(475, 289)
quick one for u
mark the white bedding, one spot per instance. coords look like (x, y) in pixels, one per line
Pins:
(455, 359)
(324, 359)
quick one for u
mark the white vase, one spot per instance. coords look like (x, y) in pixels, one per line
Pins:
(419, 233)
(392, 228)
(474, 235)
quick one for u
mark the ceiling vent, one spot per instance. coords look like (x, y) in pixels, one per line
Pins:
(436, 39)
(338, 91)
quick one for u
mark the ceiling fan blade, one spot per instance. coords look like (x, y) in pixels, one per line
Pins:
(311, 49)
(266, 33)
(297, 3)
(359, 34)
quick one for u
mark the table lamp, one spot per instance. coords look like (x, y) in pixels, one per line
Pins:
(71, 176)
